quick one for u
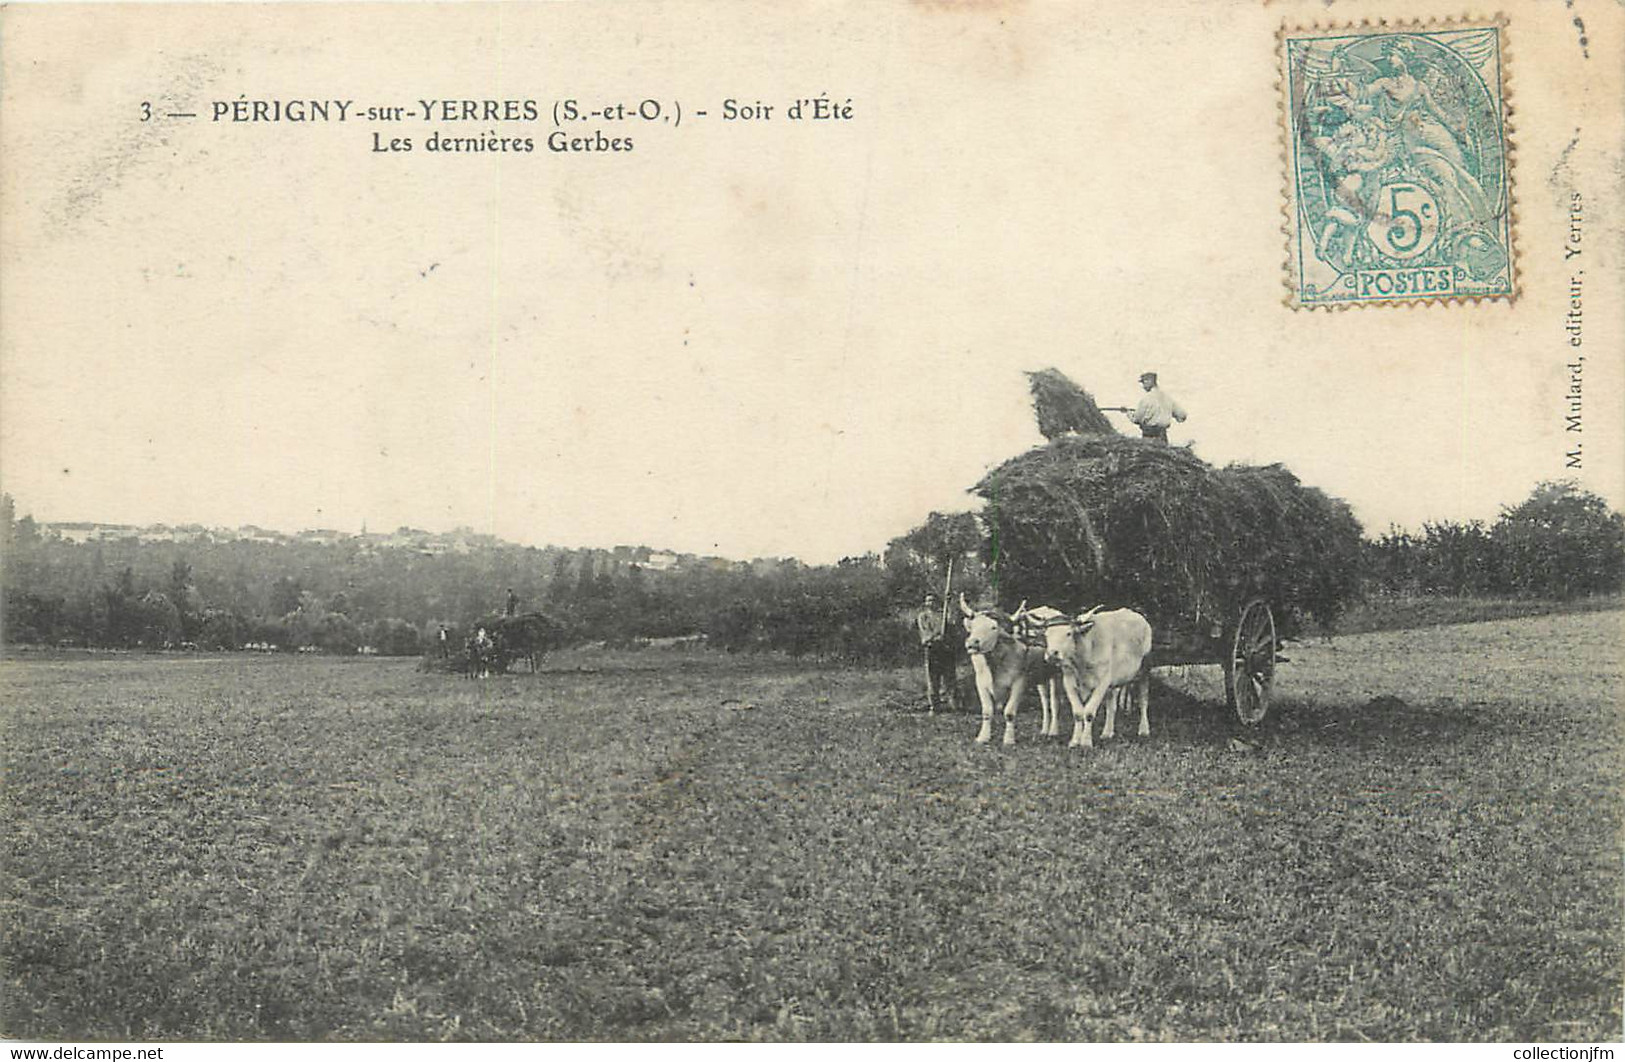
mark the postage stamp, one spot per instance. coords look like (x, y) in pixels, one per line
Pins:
(1398, 156)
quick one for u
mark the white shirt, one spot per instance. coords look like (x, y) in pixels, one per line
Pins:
(1157, 410)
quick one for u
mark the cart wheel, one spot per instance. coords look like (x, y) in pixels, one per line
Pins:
(1250, 671)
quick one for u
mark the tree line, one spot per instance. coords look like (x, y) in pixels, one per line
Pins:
(1561, 542)
(340, 597)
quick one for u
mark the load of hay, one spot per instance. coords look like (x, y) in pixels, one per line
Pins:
(1061, 406)
(1108, 520)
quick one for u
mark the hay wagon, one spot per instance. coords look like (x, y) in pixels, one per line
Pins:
(1246, 645)
(1224, 562)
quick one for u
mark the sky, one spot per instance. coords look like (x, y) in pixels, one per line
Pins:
(740, 338)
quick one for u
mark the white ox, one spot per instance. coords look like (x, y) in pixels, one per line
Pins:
(1007, 653)
(1103, 653)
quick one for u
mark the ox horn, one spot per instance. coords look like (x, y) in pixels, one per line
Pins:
(1083, 620)
(965, 606)
(1021, 610)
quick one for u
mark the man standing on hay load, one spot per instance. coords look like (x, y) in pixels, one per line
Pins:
(1156, 411)
(932, 625)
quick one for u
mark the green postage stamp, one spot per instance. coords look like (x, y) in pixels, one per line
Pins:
(1398, 163)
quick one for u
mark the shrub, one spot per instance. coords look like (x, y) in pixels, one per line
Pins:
(1562, 542)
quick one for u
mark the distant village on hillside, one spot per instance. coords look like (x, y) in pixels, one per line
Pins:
(98, 585)
(462, 541)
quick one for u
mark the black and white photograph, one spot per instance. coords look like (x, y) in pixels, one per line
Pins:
(924, 521)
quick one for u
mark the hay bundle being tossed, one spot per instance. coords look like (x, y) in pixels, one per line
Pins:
(1106, 519)
(1061, 406)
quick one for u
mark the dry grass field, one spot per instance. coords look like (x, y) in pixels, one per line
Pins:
(1423, 843)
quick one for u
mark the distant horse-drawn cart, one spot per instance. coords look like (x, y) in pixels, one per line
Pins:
(527, 636)
(508, 640)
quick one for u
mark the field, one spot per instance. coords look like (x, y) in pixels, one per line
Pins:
(1423, 844)
(1384, 612)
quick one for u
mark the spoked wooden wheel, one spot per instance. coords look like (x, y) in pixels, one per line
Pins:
(1250, 671)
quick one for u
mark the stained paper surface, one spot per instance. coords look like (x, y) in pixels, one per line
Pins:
(744, 332)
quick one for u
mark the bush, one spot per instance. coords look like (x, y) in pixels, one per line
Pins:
(33, 619)
(1561, 542)
(731, 627)
(1459, 558)
(221, 629)
(336, 633)
(394, 637)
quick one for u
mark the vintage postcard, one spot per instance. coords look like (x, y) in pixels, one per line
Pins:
(901, 521)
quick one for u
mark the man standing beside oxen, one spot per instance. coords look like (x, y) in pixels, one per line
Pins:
(940, 657)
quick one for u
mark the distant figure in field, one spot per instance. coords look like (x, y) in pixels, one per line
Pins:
(1156, 411)
(480, 653)
(445, 642)
(939, 654)
(513, 602)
